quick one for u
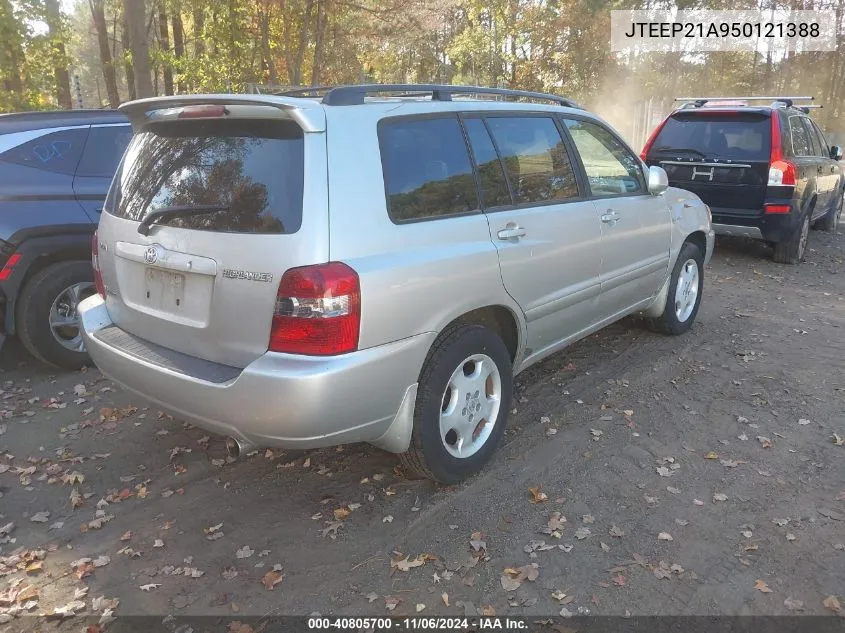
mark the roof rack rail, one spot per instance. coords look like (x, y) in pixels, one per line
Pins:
(697, 102)
(356, 94)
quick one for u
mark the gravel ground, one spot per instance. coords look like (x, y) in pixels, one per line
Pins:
(641, 474)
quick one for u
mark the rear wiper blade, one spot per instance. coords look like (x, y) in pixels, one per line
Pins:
(177, 211)
(688, 150)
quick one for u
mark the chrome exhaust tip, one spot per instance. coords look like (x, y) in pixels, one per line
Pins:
(235, 447)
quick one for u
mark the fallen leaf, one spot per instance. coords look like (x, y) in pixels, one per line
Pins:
(101, 561)
(556, 521)
(84, 570)
(244, 552)
(273, 578)
(615, 531)
(341, 513)
(663, 471)
(582, 532)
(619, 580)
(406, 564)
(588, 518)
(765, 442)
(838, 439)
(445, 598)
(420, 606)
(596, 434)
(509, 583)
(34, 566)
(793, 605)
(832, 603)
(664, 536)
(40, 517)
(605, 547)
(150, 586)
(537, 496)
(720, 496)
(762, 586)
(780, 522)
(711, 455)
(790, 536)
(128, 535)
(390, 602)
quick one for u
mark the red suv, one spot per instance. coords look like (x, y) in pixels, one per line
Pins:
(766, 172)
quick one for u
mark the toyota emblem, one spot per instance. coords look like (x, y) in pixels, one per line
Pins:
(151, 255)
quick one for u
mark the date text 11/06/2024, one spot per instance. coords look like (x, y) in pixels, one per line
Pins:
(417, 624)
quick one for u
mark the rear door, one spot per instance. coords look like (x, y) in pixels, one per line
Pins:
(828, 169)
(720, 155)
(635, 225)
(204, 282)
(100, 158)
(807, 164)
(544, 227)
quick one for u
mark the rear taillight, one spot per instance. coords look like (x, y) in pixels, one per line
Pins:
(781, 171)
(318, 311)
(9, 266)
(95, 264)
(652, 138)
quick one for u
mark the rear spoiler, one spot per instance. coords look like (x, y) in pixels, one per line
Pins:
(307, 113)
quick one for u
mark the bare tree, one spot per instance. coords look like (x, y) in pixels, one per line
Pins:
(178, 44)
(136, 26)
(54, 24)
(99, 16)
(164, 43)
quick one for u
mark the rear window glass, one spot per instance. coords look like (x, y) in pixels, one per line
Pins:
(730, 136)
(253, 168)
(103, 150)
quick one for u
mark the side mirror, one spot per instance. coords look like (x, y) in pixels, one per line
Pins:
(835, 152)
(658, 181)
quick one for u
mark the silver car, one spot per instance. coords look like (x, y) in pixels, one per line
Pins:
(376, 263)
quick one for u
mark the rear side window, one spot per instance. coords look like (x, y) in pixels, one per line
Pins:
(535, 158)
(57, 151)
(801, 143)
(103, 150)
(494, 186)
(726, 135)
(427, 171)
(252, 167)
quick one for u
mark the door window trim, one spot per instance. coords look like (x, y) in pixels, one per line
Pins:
(792, 137)
(821, 137)
(625, 146)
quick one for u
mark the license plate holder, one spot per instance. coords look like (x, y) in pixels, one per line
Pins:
(164, 290)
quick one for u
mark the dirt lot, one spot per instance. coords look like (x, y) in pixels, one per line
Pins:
(694, 475)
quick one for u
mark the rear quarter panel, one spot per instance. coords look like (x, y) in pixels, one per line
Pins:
(415, 277)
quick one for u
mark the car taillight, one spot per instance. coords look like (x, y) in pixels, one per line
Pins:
(781, 171)
(652, 138)
(95, 264)
(318, 311)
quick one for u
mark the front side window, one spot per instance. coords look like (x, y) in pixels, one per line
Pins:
(250, 170)
(427, 171)
(535, 158)
(57, 151)
(801, 144)
(611, 169)
(824, 148)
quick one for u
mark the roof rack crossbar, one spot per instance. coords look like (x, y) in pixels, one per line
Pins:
(356, 94)
(706, 99)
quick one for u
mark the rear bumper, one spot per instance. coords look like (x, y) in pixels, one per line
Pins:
(772, 227)
(279, 399)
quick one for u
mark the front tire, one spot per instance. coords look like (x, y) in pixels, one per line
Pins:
(48, 321)
(462, 404)
(793, 249)
(685, 289)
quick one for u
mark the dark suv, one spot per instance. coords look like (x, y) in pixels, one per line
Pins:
(55, 171)
(766, 172)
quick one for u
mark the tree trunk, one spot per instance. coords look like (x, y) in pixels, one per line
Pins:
(128, 68)
(137, 27)
(319, 39)
(54, 24)
(178, 46)
(199, 27)
(164, 43)
(11, 52)
(99, 17)
(295, 69)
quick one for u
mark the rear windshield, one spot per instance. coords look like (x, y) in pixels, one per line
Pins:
(729, 136)
(253, 168)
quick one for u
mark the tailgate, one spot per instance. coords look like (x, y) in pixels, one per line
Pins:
(237, 200)
(720, 155)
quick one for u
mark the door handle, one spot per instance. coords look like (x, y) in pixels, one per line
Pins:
(510, 232)
(611, 217)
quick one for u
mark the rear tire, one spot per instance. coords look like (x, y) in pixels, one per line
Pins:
(453, 406)
(793, 249)
(686, 285)
(52, 297)
(830, 222)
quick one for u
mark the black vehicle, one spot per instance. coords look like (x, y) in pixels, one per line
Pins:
(55, 171)
(766, 172)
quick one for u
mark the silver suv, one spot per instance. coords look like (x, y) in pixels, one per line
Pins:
(376, 263)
